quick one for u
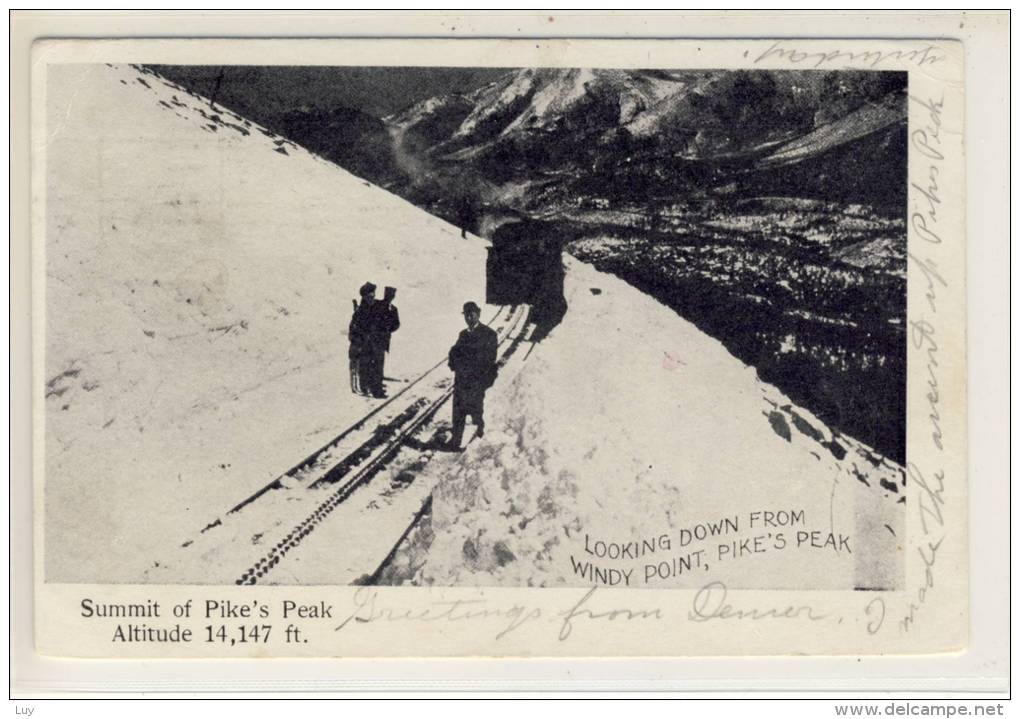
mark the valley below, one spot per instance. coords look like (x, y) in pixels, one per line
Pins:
(792, 288)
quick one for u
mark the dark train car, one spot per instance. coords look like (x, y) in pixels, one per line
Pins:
(508, 280)
(525, 266)
(522, 256)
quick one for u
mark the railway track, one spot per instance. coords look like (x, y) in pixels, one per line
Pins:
(324, 454)
(426, 506)
(328, 477)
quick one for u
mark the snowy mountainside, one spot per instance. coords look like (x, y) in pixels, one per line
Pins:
(861, 122)
(550, 95)
(541, 99)
(699, 115)
(679, 181)
(199, 277)
(199, 271)
(628, 423)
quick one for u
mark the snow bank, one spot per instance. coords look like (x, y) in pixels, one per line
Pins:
(627, 424)
(199, 276)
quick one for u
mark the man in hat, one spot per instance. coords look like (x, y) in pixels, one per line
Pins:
(384, 321)
(359, 334)
(473, 361)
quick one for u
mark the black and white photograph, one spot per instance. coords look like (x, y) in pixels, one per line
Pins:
(475, 326)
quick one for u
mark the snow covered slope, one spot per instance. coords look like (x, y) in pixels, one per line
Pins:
(199, 276)
(863, 121)
(629, 424)
(543, 98)
(199, 272)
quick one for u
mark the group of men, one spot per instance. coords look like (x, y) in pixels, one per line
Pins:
(373, 323)
(472, 358)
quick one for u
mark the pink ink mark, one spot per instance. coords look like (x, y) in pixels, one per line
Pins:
(671, 361)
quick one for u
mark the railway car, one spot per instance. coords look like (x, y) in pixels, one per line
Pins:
(521, 257)
(525, 266)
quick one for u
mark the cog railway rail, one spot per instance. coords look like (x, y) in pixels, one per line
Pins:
(328, 477)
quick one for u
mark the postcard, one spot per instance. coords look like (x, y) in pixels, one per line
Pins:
(509, 348)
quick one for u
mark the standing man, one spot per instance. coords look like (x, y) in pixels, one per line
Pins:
(473, 361)
(385, 320)
(467, 214)
(359, 333)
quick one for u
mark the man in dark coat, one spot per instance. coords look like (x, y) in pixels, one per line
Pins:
(473, 361)
(359, 333)
(384, 320)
